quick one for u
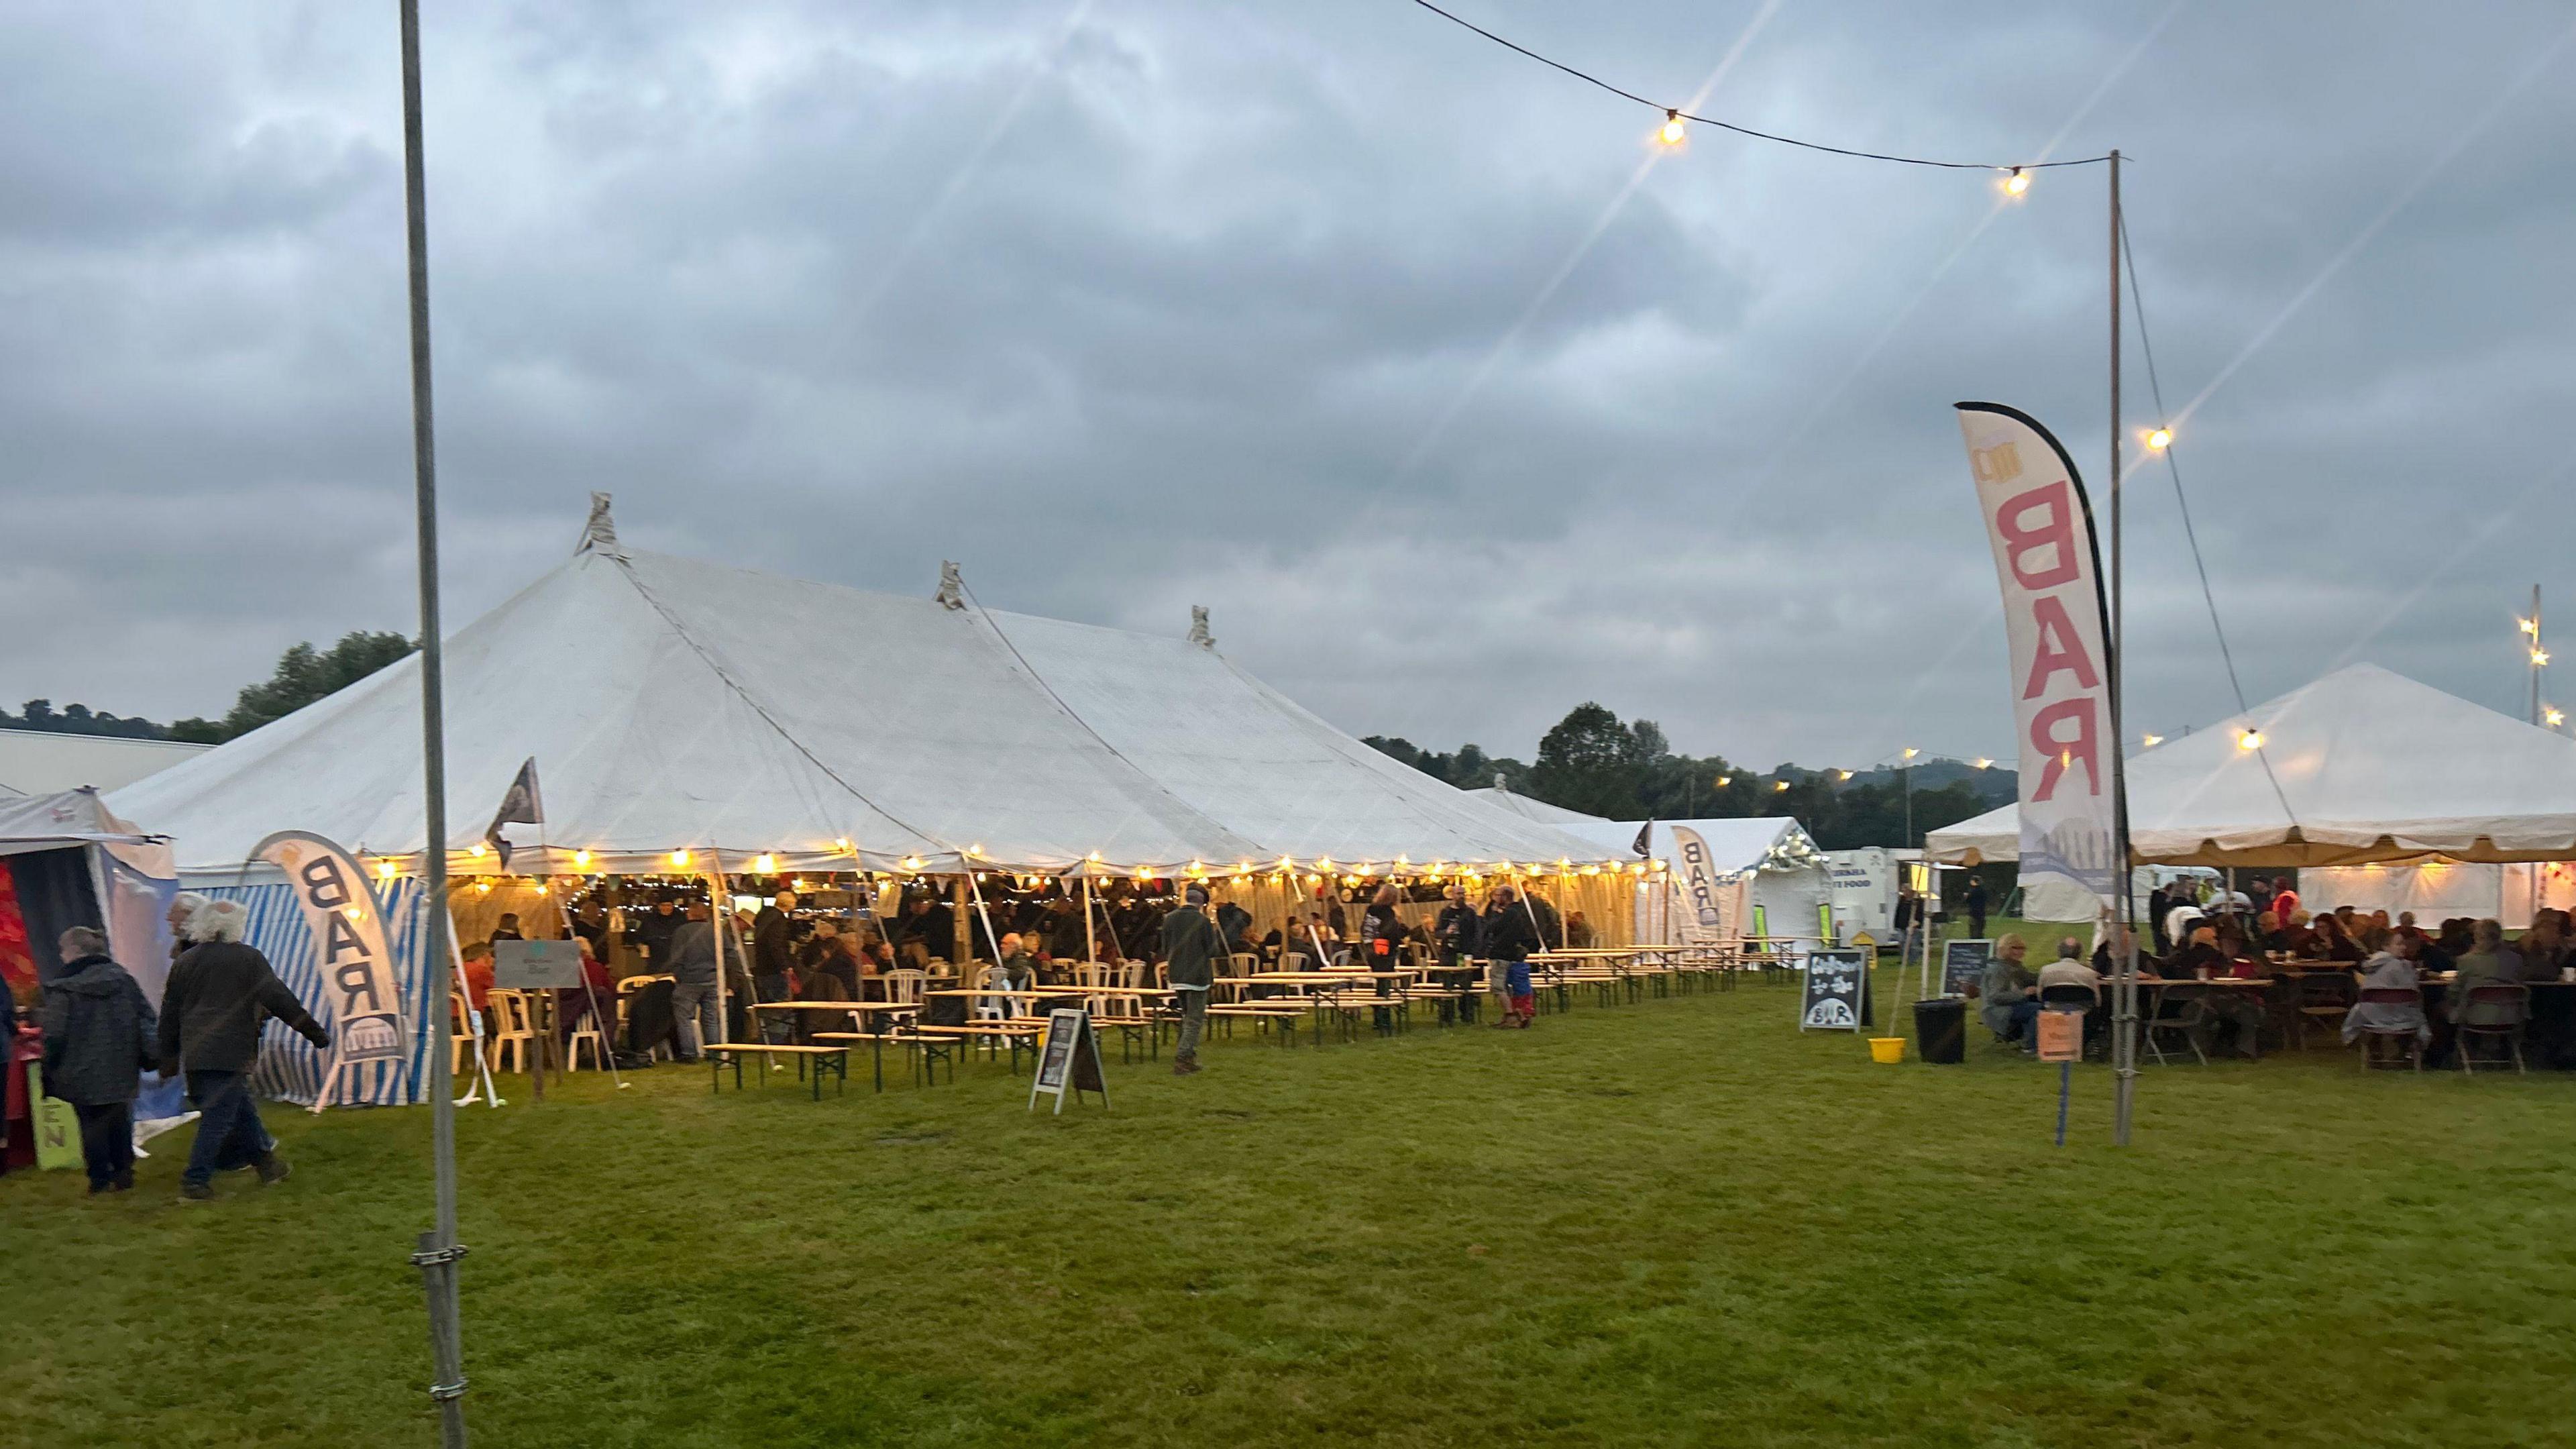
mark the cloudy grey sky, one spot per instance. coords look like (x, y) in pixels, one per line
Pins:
(1455, 401)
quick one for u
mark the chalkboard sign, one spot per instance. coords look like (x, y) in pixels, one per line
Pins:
(1068, 1060)
(1833, 993)
(523, 965)
(1962, 962)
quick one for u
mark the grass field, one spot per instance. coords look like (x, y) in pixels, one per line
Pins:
(1677, 1222)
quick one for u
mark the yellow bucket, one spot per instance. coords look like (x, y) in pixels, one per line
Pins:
(1889, 1049)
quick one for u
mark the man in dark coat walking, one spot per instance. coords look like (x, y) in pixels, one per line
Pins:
(1189, 951)
(100, 1035)
(219, 992)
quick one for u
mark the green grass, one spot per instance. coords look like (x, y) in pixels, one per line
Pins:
(1679, 1222)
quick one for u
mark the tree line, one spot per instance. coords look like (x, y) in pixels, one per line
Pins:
(1594, 762)
(303, 674)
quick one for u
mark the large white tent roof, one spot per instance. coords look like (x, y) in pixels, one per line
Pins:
(38, 762)
(673, 704)
(2362, 765)
(1539, 810)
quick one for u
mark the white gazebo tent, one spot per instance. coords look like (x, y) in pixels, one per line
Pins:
(2363, 767)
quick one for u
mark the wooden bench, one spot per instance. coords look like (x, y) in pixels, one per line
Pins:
(1020, 1034)
(835, 1057)
(1281, 1013)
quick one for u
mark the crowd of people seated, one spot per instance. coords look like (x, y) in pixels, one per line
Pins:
(2382, 957)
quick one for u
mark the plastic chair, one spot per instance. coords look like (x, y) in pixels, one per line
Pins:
(461, 1042)
(2407, 1038)
(1090, 973)
(903, 986)
(2509, 1006)
(507, 1033)
(586, 1034)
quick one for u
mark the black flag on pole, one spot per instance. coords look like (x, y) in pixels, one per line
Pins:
(1645, 843)
(520, 805)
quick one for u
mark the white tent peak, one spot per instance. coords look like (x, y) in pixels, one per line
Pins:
(1501, 795)
(599, 532)
(1199, 634)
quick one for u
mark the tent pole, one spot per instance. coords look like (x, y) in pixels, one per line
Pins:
(438, 1248)
(719, 920)
(986, 917)
(1090, 942)
(2124, 993)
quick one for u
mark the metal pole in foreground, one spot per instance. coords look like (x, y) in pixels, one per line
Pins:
(2124, 990)
(438, 1250)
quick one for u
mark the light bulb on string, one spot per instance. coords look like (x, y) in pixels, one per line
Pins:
(1673, 132)
(2528, 626)
(2250, 740)
(2017, 183)
(2555, 716)
(2151, 741)
(2160, 439)
(2539, 657)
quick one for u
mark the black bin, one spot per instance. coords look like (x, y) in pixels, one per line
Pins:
(1941, 1030)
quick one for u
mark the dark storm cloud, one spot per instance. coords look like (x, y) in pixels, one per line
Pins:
(1132, 306)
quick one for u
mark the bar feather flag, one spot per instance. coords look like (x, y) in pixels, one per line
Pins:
(2041, 526)
(1645, 843)
(520, 805)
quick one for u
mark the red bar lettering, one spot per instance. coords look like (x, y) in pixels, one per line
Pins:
(2062, 750)
(2055, 531)
(2060, 649)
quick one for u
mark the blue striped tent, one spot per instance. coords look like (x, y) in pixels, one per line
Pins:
(289, 1066)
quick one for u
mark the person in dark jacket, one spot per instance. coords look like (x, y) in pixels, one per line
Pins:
(100, 1036)
(773, 958)
(1508, 937)
(1975, 900)
(1234, 928)
(1456, 931)
(1190, 948)
(210, 1014)
(1382, 936)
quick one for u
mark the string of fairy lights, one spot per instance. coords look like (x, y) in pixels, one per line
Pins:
(2014, 177)
(693, 867)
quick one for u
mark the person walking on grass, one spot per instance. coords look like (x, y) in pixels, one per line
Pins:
(100, 1035)
(219, 991)
(1508, 937)
(1189, 949)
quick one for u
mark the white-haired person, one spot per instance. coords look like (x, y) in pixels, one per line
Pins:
(219, 991)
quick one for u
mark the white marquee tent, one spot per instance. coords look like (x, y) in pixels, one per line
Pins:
(1771, 879)
(672, 704)
(2363, 766)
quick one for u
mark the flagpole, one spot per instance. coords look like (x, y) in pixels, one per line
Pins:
(2124, 990)
(438, 1250)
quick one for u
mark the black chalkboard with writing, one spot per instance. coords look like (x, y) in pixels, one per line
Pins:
(1068, 1059)
(1962, 962)
(1833, 992)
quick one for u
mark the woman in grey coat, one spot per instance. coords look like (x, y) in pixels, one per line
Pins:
(99, 1038)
